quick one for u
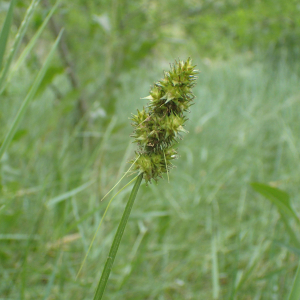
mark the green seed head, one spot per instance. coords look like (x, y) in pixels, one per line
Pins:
(160, 125)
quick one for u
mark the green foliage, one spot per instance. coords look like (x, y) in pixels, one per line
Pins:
(205, 234)
(5, 31)
(204, 231)
(282, 200)
(17, 42)
(223, 27)
(31, 93)
(295, 290)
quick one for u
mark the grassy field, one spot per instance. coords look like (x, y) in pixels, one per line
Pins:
(204, 235)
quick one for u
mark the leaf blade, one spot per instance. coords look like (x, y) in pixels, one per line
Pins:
(5, 30)
(295, 291)
(10, 134)
(33, 41)
(278, 197)
(17, 41)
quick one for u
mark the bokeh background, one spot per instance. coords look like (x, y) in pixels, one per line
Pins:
(206, 234)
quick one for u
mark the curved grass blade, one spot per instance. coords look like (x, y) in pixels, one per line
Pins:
(5, 30)
(29, 97)
(17, 41)
(32, 42)
(94, 237)
(295, 292)
(278, 197)
(69, 194)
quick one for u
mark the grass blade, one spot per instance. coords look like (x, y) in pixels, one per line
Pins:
(295, 292)
(215, 269)
(278, 197)
(115, 245)
(69, 194)
(33, 41)
(292, 233)
(94, 237)
(52, 277)
(5, 30)
(17, 41)
(28, 97)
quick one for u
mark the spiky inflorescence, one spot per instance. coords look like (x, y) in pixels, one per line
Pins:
(159, 126)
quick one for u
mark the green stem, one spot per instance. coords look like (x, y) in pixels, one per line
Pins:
(115, 245)
(295, 291)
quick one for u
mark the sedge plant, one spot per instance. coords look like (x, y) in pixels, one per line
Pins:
(156, 130)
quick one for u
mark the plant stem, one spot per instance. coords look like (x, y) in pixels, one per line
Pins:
(115, 245)
(295, 291)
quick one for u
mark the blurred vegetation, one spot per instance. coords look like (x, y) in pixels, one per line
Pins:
(104, 39)
(223, 241)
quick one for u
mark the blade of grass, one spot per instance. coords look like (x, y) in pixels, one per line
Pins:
(98, 152)
(295, 291)
(94, 237)
(253, 261)
(79, 226)
(5, 30)
(32, 42)
(133, 253)
(28, 98)
(278, 197)
(116, 242)
(290, 231)
(119, 180)
(17, 41)
(90, 213)
(52, 277)
(69, 194)
(215, 269)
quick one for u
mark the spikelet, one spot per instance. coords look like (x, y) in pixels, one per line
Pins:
(160, 125)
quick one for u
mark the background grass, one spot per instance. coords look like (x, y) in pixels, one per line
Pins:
(204, 235)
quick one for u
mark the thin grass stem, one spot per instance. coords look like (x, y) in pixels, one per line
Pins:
(5, 31)
(17, 41)
(115, 245)
(295, 291)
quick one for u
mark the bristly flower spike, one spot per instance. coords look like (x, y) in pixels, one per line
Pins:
(159, 126)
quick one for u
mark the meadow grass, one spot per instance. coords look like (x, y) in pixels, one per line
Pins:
(204, 235)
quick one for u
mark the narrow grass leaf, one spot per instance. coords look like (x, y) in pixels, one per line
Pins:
(288, 247)
(292, 233)
(29, 97)
(18, 237)
(69, 194)
(52, 277)
(32, 42)
(90, 213)
(215, 269)
(98, 152)
(253, 261)
(5, 30)
(17, 41)
(94, 237)
(119, 180)
(278, 197)
(95, 209)
(133, 254)
(295, 291)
